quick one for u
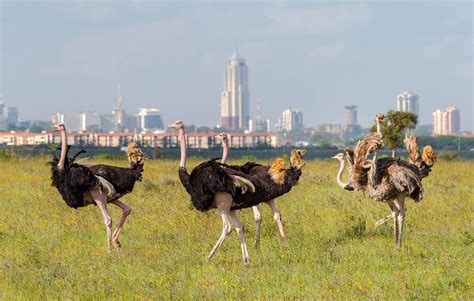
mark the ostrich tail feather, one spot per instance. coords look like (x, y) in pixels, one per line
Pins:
(135, 155)
(413, 150)
(243, 184)
(428, 156)
(106, 185)
(277, 171)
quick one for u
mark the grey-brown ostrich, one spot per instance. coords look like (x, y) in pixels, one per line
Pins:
(388, 180)
(213, 185)
(81, 185)
(258, 169)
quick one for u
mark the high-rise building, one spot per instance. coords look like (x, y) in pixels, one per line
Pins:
(149, 120)
(235, 112)
(350, 115)
(57, 118)
(12, 115)
(408, 102)
(292, 119)
(73, 122)
(120, 117)
(446, 122)
(90, 121)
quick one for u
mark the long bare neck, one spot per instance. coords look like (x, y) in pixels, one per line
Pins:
(339, 175)
(182, 145)
(225, 151)
(62, 159)
(377, 122)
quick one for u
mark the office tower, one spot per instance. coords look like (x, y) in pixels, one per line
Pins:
(235, 112)
(292, 119)
(149, 120)
(350, 115)
(408, 102)
(447, 121)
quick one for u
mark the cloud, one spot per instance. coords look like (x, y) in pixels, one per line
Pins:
(318, 19)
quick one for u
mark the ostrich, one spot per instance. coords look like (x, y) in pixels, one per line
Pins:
(388, 180)
(253, 168)
(81, 185)
(215, 185)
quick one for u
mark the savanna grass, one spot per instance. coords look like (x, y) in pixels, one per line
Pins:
(50, 251)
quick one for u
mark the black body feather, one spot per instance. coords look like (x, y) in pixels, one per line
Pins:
(205, 180)
(72, 181)
(210, 177)
(75, 179)
(265, 188)
(122, 178)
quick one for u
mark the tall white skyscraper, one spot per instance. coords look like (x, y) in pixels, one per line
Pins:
(408, 102)
(235, 112)
(446, 122)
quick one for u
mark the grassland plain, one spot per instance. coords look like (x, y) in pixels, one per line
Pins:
(50, 251)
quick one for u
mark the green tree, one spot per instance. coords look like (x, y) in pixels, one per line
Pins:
(394, 127)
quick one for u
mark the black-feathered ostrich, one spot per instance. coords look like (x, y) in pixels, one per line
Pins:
(215, 185)
(258, 169)
(81, 185)
(388, 180)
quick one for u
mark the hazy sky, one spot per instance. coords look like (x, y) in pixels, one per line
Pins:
(313, 56)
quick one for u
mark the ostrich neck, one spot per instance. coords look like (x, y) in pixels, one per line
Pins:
(339, 175)
(225, 151)
(62, 159)
(182, 144)
(378, 126)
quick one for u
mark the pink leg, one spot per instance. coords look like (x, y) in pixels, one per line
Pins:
(125, 212)
(257, 214)
(101, 201)
(240, 230)
(277, 217)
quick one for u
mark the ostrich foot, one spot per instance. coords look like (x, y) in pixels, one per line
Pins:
(256, 244)
(382, 221)
(117, 244)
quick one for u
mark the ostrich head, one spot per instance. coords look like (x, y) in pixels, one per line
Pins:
(339, 157)
(379, 117)
(59, 127)
(223, 137)
(178, 124)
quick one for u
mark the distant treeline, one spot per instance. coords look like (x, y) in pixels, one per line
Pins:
(446, 148)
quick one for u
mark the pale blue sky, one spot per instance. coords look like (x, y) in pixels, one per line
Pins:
(314, 56)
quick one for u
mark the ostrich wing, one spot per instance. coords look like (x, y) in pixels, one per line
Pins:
(122, 178)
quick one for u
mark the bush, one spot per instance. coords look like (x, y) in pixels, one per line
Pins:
(449, 156)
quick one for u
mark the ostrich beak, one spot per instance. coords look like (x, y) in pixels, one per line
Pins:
(335, 157)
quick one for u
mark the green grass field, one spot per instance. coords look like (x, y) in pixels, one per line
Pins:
(50, 251)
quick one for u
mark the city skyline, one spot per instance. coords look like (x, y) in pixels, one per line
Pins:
(304, 55)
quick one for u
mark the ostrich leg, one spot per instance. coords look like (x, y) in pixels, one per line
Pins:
(277, 217)
(240, 230)
(400, 218)
(396, 221)
(382, 221)
(125, 212)
(223, 202)
(257, 214)
(388, 217)
(101, 201)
